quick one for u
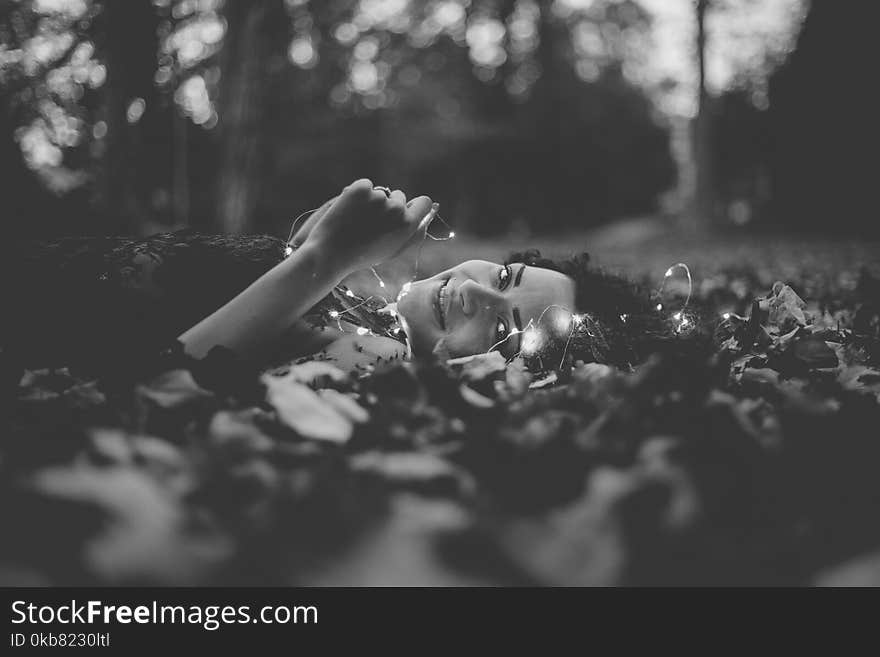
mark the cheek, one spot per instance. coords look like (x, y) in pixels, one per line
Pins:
(466, 341)
(407, 301)
(413, 300)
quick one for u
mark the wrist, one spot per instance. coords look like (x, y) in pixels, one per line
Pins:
(313, 259)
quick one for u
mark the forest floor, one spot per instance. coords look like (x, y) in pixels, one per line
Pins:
(759, 465)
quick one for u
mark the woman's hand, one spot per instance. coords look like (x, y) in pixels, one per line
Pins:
(303, 229)
(363, 227)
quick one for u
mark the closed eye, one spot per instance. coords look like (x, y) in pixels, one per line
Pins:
(501, 330)
(504, 276)
(501, 334)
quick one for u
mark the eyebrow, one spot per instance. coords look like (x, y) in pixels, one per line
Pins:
(517, 320)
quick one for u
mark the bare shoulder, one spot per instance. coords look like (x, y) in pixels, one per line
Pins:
(362, 352)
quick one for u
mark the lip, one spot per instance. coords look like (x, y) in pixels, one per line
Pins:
(441, 305)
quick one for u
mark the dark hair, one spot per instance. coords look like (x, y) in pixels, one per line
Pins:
(621, 325)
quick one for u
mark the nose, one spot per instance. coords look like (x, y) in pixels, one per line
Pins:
(477, 298)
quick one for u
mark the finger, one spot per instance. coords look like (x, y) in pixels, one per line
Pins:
(398, 198)
(378, 197)
(417, 209)
(395, 207)
(320, 212)
(359, 187)
(314, 218)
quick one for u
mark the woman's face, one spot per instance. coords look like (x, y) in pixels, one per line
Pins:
(476, 306)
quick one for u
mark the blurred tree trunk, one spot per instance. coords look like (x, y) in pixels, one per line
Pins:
(180, 175)
(241, 130)
(703, 202)
(548, 94)
(131, 46)
(26, 204)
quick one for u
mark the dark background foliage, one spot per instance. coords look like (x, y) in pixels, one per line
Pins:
(526, 116)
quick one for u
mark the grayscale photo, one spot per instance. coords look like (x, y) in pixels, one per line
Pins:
(315, 294)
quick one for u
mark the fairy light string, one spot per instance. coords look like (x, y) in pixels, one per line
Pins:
(682, 320)
(573, 324)
(569, 323)
(345, 313)
(533, 335)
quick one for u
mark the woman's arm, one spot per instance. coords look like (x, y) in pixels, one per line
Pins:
(261, 313)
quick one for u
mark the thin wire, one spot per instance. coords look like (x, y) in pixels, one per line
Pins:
(426, 222)
(532, 324)
(509, 335)
(668, 274)
(378, 278)
(296, 221)
(439, 239)
(338, 316)
(567, 342)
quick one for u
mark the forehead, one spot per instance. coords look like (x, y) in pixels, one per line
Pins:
(542, 291)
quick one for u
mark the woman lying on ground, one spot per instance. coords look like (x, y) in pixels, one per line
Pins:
(100, 299)
(549, 313)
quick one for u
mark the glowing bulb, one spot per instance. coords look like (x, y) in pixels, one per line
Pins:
(451, 234)
(668, 272)
(659, 306)
(381, 283)
(726, 315)
(334, 314)
(530, 341)
(404, 290)
(349, 293)
(564, 321)
(288, 251)
(362, 331)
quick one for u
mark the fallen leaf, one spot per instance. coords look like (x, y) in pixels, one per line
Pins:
(548, 380)
(516, 381)
(147, 538)
(301, 409)
(861, 379)
(409, 468)
(592, 372)
(578, 545)
(173, 389)
(813, 353)
(480, 366)
(345, 404)
(236, 434)
(401, 551)
(786, 308)
(111, 446)
(313, 372)
(474, 398)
